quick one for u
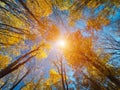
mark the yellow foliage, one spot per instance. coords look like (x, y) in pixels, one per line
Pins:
(29, 86)
(9, 38)
(1, 82)
(10, 19)
(93, 4)
(2, 4)
(4, 61)
(77, 48)
(80, 51)
(52, 33)
(40, 8)
(54, 77)
(42, 55)
(53, 73)
(62, 4)
(97, 23)
(94, 72)
(42, 51)
(73, 17)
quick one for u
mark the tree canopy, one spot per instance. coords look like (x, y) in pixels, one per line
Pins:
(32, 56)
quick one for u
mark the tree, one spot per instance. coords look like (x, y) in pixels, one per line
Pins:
(61, 69)
(12, 80)
(81, 53)
(16, 27)
(21, 61)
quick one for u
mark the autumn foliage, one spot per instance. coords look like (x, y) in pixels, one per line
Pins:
(30, 59)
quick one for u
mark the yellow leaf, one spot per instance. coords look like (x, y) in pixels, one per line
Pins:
(4, 61)
(1, 82)
(40, 8)
(42, 55)
(2, 4)
(54, 77)
(42, 51)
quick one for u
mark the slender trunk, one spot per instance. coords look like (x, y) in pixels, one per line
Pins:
(14, 29)
(63, 84)
(15, 65)
(65, 79)
(9, 70)
(114, 80)
(4, 84)
(98, 65)
(28, 10)
(20, 80)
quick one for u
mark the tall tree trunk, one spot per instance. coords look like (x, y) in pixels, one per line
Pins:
(63, 84)
(20, 79)
(16, 64)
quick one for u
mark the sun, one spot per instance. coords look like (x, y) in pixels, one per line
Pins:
(61, 43)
